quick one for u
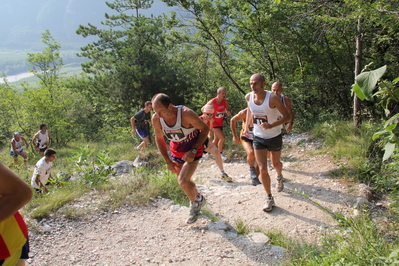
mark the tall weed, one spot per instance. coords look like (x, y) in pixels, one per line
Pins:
(358, 244)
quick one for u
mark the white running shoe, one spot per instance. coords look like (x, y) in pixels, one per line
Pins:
(280, 183)
(195, 210)
(269, 204)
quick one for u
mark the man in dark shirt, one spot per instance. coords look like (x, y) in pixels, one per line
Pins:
(140, 122)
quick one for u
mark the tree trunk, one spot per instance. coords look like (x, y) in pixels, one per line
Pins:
(358, 67)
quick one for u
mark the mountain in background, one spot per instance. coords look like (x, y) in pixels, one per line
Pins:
(23, 21)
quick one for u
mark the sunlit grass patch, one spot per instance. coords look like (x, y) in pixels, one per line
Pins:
(241, 227)
(210, 214)
(53, 201)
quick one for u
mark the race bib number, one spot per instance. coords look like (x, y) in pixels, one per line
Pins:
(174, 135)
(251, 128)
(259, 119)
(219, 114)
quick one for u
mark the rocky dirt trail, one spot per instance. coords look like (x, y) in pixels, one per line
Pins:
(157, 234)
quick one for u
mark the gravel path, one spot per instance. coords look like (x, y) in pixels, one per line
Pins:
(157, 234)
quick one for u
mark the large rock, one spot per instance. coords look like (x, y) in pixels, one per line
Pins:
(123, 167)
(138, 162)
(365, 191)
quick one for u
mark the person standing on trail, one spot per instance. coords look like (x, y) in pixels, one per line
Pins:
(277, 89)
(246, 142)
(14, 194)
(221, 107)
(140, 125)
(17, 143)
(186, 133)
(264, 108)
(41, 139)
(207, 117)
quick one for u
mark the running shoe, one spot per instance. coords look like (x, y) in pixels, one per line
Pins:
(195, 210)
(226, 178)
(269, 163)
(224, 158)
(252, 172)
(254, 177)
(280, 183)
(269, 204)
(255, 181)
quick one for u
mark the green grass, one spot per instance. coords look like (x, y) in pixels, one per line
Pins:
(92, 160)
(51, 202)
(358, 244)
(358, 241)
(210, 214)
(348, 145)
(241, 227)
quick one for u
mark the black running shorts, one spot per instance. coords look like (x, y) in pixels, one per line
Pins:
(273, 144)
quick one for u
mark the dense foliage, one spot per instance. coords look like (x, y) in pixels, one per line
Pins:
(309, 46)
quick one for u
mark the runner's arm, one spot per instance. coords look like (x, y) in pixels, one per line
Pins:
(159, 138)
(248, 116)
(34, 138)
(26, 143)
(14, 148)
(14, 192)
(275, 102)
(172, 166)
(189, 117)
(233, 125)
(287, 101)
(133, 123)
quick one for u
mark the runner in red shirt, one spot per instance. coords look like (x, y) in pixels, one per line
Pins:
(221, 107)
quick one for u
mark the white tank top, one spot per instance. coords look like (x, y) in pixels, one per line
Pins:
(263, 113)
(18, 144)
(42, 139)
(176, 133)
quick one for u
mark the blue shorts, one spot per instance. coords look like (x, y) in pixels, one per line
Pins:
(13, 154)
(180, 160)
(143, 133)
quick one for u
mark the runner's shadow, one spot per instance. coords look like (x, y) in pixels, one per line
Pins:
(257, 252)
(231, 184)
(317, 194)
(277, 211)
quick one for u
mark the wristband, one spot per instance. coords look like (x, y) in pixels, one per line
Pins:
(291, 122)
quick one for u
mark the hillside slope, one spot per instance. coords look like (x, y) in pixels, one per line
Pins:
(158, 235)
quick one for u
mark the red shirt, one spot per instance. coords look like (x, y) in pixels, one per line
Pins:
(220, 110)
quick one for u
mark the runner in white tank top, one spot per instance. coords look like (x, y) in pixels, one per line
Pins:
(187, 133)
(262, 109)
(41, 140)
